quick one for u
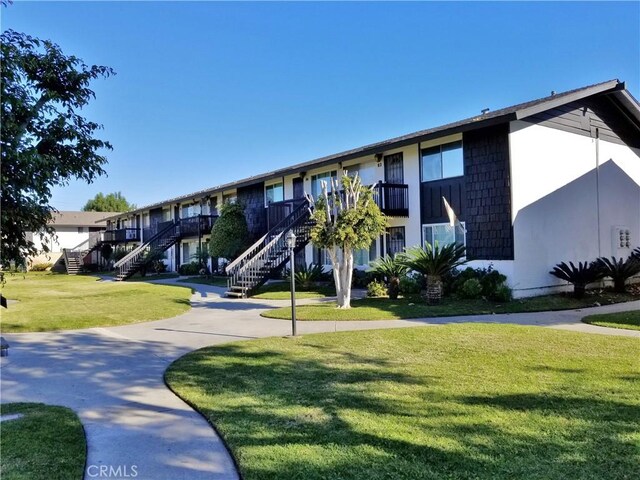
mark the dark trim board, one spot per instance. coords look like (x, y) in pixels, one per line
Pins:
(583, 117)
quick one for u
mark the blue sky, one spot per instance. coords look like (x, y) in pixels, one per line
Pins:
(210, 92)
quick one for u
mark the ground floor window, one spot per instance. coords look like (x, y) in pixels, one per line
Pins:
(186, 253)
(395, 240)
(361, 257)
(443, 233)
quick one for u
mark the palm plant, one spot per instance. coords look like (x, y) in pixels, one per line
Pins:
(580, 276)
(434, 262)
(392, 269)
(619, 270)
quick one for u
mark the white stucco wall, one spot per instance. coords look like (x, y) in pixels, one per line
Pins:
(563, 207)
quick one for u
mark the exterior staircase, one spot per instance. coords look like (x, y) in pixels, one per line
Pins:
(161, 241)
(269, 254)
(74, 257)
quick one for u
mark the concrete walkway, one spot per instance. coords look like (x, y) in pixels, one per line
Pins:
(113, 378)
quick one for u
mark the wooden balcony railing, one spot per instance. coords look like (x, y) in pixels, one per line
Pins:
(392, 198)
(121, 235)
(197, 225)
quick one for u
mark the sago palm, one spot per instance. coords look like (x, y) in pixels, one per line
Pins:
(619, 270)
(433, 262)
(580, 276)
(392, 269)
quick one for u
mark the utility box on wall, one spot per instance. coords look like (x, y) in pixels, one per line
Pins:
(621, 241)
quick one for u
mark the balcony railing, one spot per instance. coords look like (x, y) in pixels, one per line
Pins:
(121, 235)
(197, 225)
(392, 198)
(278, 211)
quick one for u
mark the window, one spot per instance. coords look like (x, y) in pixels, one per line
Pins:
(395, 240)
(231, 198)
(316, 182)
(361, 257)
(442, 161)
(190, 211)
(443, 233)
(274, 193)
(186, 254)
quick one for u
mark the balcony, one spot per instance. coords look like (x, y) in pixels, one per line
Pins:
(121, 235)
(197, 225)
(392, 198)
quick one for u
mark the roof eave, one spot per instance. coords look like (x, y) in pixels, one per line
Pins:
(612, 85)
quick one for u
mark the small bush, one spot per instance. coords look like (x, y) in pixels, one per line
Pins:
(502, 294)
(410, 285)
(362, 279)
(41, 267)
(192, 268)
(471, 289)
(376, 288)
(308, 277)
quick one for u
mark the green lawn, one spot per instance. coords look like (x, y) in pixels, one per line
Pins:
(628, 320)
(51, 301)
(415, 307)
(48, 443)
(469, 401)
(215, 281)
(282, 291)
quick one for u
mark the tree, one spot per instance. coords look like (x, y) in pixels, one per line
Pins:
(434, 262)
(112, 202)
(229, 233)
(345, 221)
(45, 141)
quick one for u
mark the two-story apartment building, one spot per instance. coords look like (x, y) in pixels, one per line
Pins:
(550, 180)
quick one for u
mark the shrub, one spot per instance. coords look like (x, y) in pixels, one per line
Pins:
(618, 270)
(229, 233)
(307, 277)
(491, 280)
(189, 269)
(471, 289)
(391, 269)
(580, 276)
(502, 293)
(410, 285)
(434, 262)
(376, 289)
(40, 267)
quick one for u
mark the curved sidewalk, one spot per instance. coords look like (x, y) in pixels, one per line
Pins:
(113, 378)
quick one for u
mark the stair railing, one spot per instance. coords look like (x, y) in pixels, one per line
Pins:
(125, 263)
(248, 270)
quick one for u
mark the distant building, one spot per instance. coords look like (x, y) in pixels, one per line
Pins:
(72, 229)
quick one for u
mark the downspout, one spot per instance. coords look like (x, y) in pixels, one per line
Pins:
(598, 188)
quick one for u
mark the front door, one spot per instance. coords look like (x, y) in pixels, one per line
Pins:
(394, 168)
(298, 188)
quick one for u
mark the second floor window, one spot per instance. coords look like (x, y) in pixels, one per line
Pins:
(442, 161)
(274, 193)
(316, 182)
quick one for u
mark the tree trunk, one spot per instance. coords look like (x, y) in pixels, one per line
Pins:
(434, 289)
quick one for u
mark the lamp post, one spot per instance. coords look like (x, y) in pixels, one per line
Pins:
(291, 243)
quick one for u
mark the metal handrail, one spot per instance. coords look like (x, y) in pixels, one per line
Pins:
(253, 248)
(250, 273)
(144, 245)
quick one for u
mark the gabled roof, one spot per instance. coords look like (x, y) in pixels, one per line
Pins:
(81, 219)
(514, 112)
